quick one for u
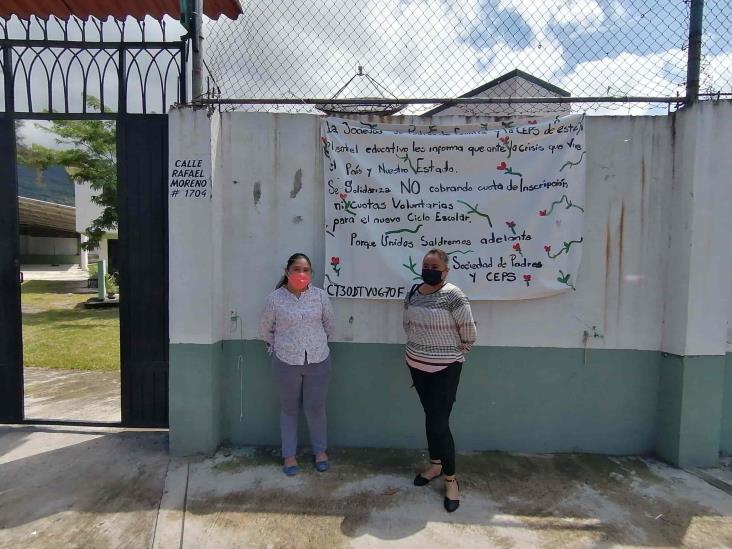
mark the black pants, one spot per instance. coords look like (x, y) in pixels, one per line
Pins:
(437, 394)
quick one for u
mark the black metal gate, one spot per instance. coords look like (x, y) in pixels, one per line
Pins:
(142, 158)
(142, 195)
(11, 343)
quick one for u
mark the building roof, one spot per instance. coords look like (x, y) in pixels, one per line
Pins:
(516, 73)
(46, 198)
(37, 213)
(118, 9)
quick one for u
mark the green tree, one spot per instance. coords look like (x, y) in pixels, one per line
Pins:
(89, 155)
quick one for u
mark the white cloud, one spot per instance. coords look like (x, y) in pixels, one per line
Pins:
(541, 14)
(413, 48)
(543, 59)
(618, 10)
(716, 73)
(417, 48)
(34, 132)
(406, 47)
(620, 75)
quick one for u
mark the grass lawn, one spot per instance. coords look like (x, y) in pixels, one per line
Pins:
(58, 332)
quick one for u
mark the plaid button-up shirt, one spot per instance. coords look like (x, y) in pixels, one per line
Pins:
(296, 328)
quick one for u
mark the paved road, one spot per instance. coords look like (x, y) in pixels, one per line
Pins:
(48, 272)
(63, 487)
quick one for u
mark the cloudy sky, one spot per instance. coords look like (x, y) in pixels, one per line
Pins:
(427, 48)
(445, 48)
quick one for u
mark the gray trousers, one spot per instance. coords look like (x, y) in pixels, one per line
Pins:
(311, 382)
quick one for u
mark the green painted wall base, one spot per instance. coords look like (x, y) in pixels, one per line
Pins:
(512, 399)
(691, 391)
(195, 400)
(725, 436)
(535, 400)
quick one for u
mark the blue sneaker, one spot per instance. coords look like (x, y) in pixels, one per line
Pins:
(291, 470)
(322, 466)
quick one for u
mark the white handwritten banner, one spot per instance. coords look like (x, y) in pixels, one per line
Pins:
(506, 203)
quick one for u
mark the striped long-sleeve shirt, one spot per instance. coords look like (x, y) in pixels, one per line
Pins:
(440, 328)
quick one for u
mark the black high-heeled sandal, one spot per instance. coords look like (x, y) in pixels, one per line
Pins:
(451, 505)
(419, 480)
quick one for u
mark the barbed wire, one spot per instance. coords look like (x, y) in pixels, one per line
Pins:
(497, 48)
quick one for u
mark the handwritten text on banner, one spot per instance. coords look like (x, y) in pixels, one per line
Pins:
(506, 203)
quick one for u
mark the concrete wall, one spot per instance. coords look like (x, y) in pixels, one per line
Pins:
(624, 262)
(40, 250)
(41, 245)
(86, 210)
(653, 288)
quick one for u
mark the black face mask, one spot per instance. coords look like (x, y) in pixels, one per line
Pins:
(431, 276)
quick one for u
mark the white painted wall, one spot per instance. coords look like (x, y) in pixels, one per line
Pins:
(86, 210)
(43, 245)
(191, 237)
(699, 249)
(102, 251)
(634, 285)
(83, 254)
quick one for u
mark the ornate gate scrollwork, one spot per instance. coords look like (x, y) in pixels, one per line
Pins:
(55, 66)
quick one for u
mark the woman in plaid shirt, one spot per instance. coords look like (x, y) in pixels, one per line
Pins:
(296, 323)
(440, 331)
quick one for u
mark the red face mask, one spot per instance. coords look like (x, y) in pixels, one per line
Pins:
(299, 281)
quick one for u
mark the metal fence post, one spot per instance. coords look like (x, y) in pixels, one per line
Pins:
(197, 53)
(122, 72)
(8, 78)
(693, 67)
(101, 279)
(183, 86)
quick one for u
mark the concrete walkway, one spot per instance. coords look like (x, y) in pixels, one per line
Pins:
(50, 272)
(113, 488)
(51, 393)
(79, 488)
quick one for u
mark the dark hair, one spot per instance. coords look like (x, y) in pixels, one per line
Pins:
(442, 254)
(293, 258)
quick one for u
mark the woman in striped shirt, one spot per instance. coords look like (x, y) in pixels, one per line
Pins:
(440, 330)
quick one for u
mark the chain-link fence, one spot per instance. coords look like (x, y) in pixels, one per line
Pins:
(716, 58)
(488, 50)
